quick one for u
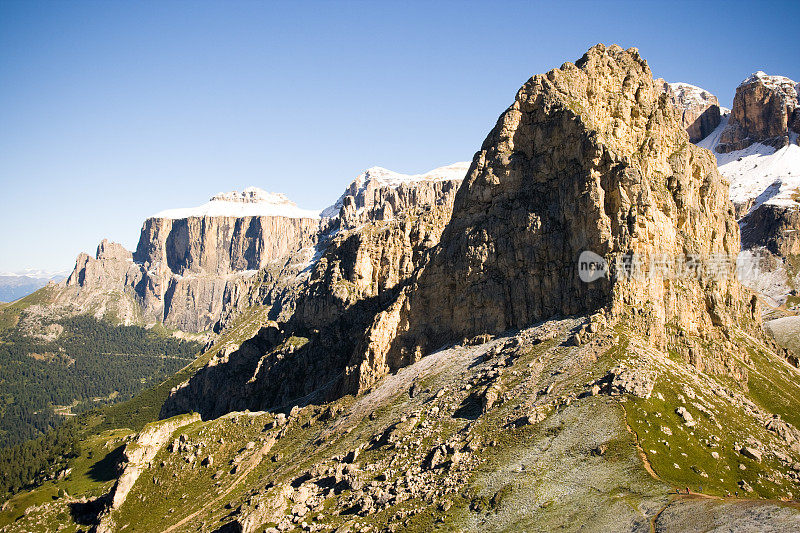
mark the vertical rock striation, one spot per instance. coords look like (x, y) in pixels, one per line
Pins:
(698, 108)
(221, 245)
(302, 359)
(191, 265)
(194, 267)
(380, 194)
(590, 156)
(765, 110)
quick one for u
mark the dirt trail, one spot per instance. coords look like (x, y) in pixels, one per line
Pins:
(649, 468)
(250, 463)
(678, 495)
(780, 308)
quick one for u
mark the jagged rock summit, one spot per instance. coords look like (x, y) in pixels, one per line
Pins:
(757, 144)
(385, 225)
(203, 258)
(250, 202)
(700, 110)
(590, 156)
(757, 149)
(379, 193)
(191, 265)
(765, 110)
(194, 267)
(346, 415)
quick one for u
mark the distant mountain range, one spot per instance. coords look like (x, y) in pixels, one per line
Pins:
(15, 285)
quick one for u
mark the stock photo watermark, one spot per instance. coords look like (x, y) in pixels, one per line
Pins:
(592, 266)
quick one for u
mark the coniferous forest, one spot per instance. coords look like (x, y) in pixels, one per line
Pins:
(92, 363)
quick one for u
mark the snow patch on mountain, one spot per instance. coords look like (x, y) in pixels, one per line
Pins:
(251, 202)
(35, 273)
(788, 88)
(15, 285)
(382, 177)
(759, 172)
(691, 94)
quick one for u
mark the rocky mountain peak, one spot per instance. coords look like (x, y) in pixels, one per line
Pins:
(251, 202)
(388, 177)
(252, 195)
(691, 94)
(112, 251)
(765, 110)
(782, 84)
(591, 156)
(379, 193)
(193, 266)
(700, 110)
(442, 363)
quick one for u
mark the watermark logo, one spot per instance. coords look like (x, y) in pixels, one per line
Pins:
(591, 267)
(746, 266)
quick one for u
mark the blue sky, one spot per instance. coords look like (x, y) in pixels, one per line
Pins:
(112, 111)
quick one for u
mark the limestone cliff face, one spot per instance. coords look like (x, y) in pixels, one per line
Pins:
(378, 234)
(194, 267)
(769, 236)
(380, 194)
(755, 148)
(773, 227)
(221, 244)
(765, 110)
(122, 290)
(590, 156)
(302, 358)
(205, 265)
(191, 266)
(699, 109)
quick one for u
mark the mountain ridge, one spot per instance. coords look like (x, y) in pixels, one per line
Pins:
(436, 359)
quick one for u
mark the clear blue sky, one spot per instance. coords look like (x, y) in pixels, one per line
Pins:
(112, 111)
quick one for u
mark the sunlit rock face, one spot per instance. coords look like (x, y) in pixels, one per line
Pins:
(191, 264)
(698, 108)
(591, 156)
(765, 110)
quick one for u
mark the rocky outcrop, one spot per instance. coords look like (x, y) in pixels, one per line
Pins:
(755, 148)
(765, 110)
(698, 108)
(191, 266)
(301, 359)
(111, 264)
(590, 156)
(774, 227)
(380, 194)
(384, 224)
(104, 285)
(770, 241)
(137, 457)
